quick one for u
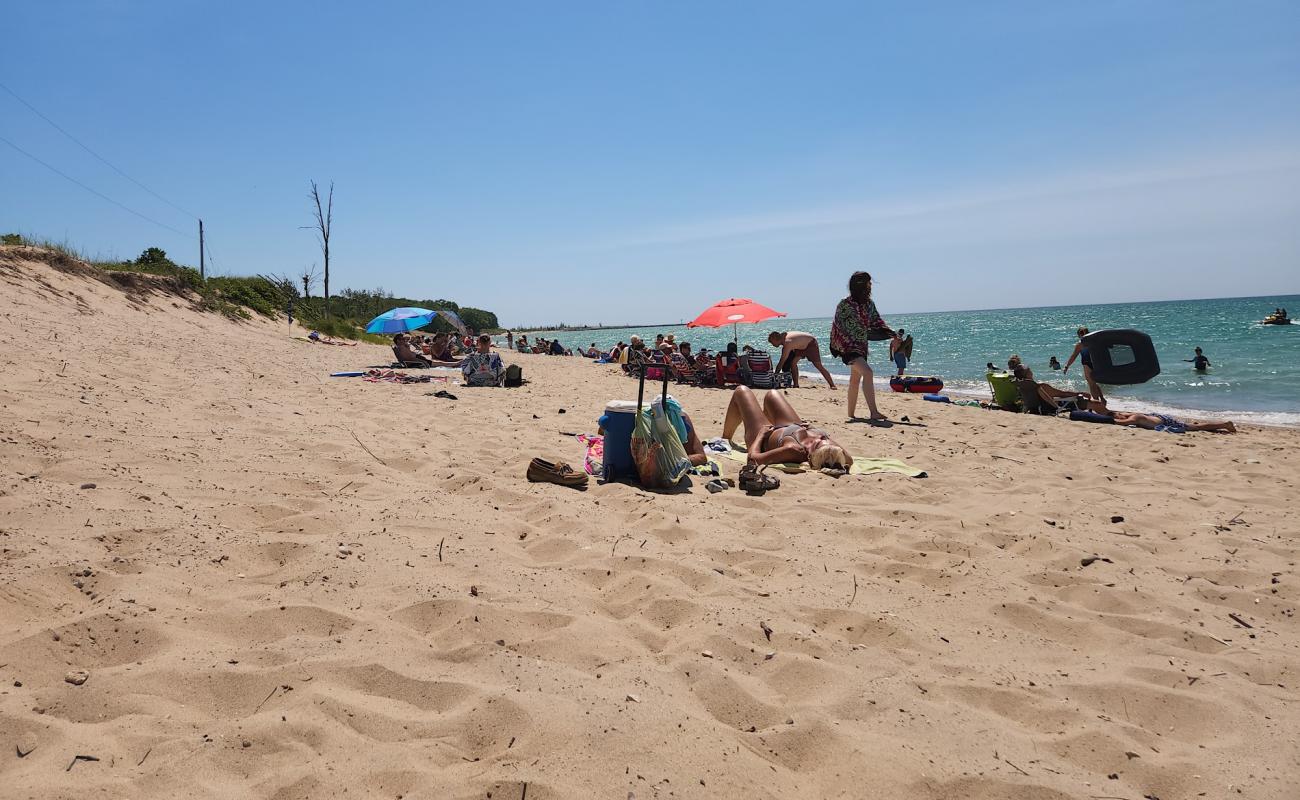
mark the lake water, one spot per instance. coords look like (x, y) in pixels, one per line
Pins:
(1255, 375)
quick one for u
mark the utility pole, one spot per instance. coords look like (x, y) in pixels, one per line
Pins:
(202, 266)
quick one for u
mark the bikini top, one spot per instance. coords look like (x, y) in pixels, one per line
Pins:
(791, 431)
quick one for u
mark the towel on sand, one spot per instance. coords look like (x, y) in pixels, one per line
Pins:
(861, 466)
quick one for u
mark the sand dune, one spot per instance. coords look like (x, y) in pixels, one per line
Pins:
(277, 584)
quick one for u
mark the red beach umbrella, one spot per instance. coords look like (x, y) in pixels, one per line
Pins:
(733, 311)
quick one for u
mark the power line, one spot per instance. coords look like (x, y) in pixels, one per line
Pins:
(83, 146)
(98, 194)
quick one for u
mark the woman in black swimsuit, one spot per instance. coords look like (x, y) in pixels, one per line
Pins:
(774, 433)
(1081, 353)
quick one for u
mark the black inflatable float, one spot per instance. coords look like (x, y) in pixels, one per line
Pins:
(1122, 357)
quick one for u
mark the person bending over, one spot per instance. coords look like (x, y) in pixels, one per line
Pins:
(775, 434)
(794, 346)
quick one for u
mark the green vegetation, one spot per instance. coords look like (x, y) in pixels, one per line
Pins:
(239, 297)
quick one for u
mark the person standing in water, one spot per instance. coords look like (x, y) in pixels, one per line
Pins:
(856, 323)
(1081, 353)
(1200, 363)
(794, 346)
(1053, 363)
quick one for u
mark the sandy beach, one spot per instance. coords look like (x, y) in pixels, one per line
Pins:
(226, 574)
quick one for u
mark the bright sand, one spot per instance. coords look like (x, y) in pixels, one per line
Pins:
(930, 638)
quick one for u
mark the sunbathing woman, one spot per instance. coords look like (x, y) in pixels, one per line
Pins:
(774, 433)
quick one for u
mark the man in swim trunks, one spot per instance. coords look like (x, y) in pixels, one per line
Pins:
(795, 345)
(900, 350)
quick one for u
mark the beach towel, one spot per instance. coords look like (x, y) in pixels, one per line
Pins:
(861, 465)
(390, 376)
(594, 460)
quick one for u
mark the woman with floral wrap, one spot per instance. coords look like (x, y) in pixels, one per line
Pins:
(856, 323)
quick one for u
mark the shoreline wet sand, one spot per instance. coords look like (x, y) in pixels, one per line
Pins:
(227, 574)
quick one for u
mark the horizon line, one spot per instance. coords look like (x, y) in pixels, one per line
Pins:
(554, 328)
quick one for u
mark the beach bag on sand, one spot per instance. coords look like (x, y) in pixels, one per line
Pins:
(514, 376)
(657, 449)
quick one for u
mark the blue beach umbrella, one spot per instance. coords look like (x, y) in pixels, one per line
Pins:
(399, 320)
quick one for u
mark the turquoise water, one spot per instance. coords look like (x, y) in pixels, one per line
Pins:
(1255, 375)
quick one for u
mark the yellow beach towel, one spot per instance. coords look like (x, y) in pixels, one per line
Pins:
(861, 465)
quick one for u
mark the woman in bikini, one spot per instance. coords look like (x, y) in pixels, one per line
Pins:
(774, 433)
(1081, 353)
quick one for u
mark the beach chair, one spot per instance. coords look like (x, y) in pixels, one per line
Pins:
(682, 371)
(707, 374)
(1031, 402)
(398, 363)
(1005, 394)
(756, 370)
(724, 373)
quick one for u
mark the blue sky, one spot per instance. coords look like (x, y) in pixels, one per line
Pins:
(634, 162)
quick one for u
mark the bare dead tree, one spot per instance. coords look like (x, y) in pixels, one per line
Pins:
(309, 277)
(324, 219)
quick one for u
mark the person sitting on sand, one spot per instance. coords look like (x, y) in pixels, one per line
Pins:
(775, 434)
(1155, 422)
(483, 367)
(794, 346)
(408, 354)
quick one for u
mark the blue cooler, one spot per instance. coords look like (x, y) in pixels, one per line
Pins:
(617, 422)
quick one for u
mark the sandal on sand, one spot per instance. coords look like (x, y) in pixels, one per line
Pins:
(540, 471)
(717, 485)
(754, 481)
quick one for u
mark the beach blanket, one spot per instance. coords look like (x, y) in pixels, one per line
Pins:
(390, 376)
(861, 465)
